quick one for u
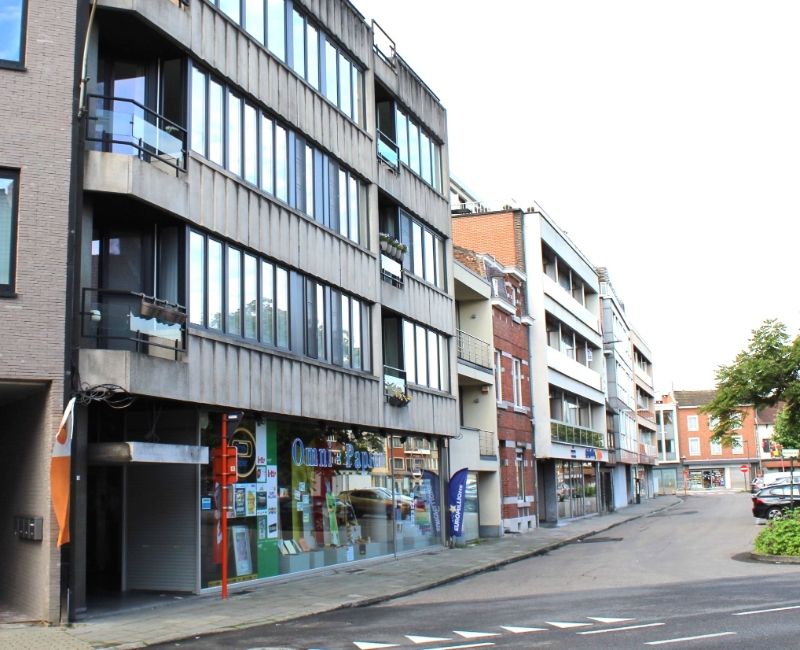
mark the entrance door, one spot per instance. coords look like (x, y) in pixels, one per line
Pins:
(104, 530)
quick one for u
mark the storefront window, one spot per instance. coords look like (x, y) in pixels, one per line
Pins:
(576, 489)
(311, 496)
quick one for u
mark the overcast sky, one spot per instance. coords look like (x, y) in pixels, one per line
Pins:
(664, 137)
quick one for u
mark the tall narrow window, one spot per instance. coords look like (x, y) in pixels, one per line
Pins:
(282, 308)
(353, 207)
(309, 174)
(9, 184)
(433, 360)
(498, 375)
(416, 247)
(355, 333)
(281, 164)
(197, 272)
(409, 354)
(331, 81)
(298, 43)
(402, 136)
(12, 31)
(422, 355)
(425, 158)
(343, 221)
(198, 111)
(216, 114)
(346, 333)
(250, 144)
(312, 54)
(230, 8)
(254, 19)
(214, 284)
(234, 134)
(276, 28)
(358, 101)
(516, 378)
(413, 146)
(267, 303)
(430, 267)
(444, 363)
(267, 156)
(345, 79)
(250, 296)
(234, 291)
(321, 338)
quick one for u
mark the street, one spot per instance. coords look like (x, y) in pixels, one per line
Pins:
(679, 578)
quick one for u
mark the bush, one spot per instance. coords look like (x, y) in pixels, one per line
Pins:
(781, 536)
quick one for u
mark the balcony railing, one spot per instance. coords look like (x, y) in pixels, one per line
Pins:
(124, 125)
(474, 350)
(126, 320)
(573, 435)
(388, 151)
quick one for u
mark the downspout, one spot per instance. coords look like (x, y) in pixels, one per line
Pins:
(83, 25)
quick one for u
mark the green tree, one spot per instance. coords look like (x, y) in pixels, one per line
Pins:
(767, 373)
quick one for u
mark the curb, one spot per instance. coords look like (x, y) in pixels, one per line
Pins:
(775, 559)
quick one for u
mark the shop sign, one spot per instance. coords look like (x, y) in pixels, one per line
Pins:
(590, 453)
(347, 458)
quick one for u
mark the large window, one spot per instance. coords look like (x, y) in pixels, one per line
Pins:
(306, 49)
(426, 356)
(9, 192)
(237, 293)
(12, 32)
(237, 135)
(425, 255)
(570, 409)
(418, 150)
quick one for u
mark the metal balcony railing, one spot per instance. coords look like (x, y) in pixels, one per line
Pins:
(474, 350)
(124, 125)
(126, 320)
(575, 435)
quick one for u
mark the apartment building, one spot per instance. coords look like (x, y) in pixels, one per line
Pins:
(476, 446)
(644, 389)
(668, 474)
(262, 253)
(708, 465)
(628, 391)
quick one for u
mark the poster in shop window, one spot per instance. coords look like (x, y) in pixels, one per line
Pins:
(241, 550)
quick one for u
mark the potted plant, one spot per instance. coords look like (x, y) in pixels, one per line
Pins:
(396, 396)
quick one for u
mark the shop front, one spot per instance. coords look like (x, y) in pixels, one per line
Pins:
(310, 495)
(576, 488)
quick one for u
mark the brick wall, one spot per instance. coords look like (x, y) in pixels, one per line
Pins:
(496, 233)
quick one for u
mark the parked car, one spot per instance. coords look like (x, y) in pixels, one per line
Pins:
(376, 501)
(774, 501)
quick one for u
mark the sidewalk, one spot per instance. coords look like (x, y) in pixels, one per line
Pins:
(347, 585)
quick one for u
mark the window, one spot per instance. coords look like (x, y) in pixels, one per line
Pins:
(692, 423)
(425, 357)
(276, 28)
(12, 32)
(737, 444)
(520, 467)
(516, 377)
(716, 448)
(9, 193)
(694, 446)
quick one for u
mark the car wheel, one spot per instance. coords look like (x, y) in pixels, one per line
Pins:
(775, 513)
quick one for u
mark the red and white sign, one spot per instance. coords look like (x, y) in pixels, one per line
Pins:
(744, 468)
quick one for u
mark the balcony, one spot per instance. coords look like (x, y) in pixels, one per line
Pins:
(574, 435)
(125, 126)
(126, 320)
(474, 350)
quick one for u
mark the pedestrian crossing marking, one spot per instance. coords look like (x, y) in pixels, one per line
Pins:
(475, 635)
(601, 619)
(425, 639)
(522, 630)
(366, 645)
(566, 626)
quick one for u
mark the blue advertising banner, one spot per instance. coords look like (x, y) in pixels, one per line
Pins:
(431, 481)
(457, 490)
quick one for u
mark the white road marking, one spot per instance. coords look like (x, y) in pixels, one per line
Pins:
(475, 635)
(566, 626)
(765, 611)
(601, 619)
(366, 645)
(467, 645)
(689, 638)
(425, 639)
(619, 629)
(522, 630)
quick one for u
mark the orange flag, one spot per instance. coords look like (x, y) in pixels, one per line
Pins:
(60, 473)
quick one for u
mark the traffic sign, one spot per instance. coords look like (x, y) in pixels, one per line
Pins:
(744, 468)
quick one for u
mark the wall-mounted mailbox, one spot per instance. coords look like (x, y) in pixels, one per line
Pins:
(27, 527)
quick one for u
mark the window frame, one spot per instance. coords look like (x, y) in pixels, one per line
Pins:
(694, 446)
(692, 423)
(19, 63)
(13, 175)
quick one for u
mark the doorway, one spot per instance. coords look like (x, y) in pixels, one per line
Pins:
(104, 530)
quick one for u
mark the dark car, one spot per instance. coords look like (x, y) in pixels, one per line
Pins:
(774, 501)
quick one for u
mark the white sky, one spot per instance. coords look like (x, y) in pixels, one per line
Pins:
(664, 137)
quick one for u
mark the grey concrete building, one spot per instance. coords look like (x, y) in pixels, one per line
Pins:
(262, 252)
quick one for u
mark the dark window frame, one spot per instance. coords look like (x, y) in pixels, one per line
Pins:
(9, 290)
(19, 64)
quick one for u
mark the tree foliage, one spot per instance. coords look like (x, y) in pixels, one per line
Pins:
(766, 373)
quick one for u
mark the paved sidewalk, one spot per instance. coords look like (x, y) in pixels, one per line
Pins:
(348, 585)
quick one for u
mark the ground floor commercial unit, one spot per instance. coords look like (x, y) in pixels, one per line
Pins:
(308, 495)
(713, 474)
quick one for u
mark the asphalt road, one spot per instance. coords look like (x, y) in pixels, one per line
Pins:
(678, 579)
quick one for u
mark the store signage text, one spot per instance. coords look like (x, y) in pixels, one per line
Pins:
(347, 458)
